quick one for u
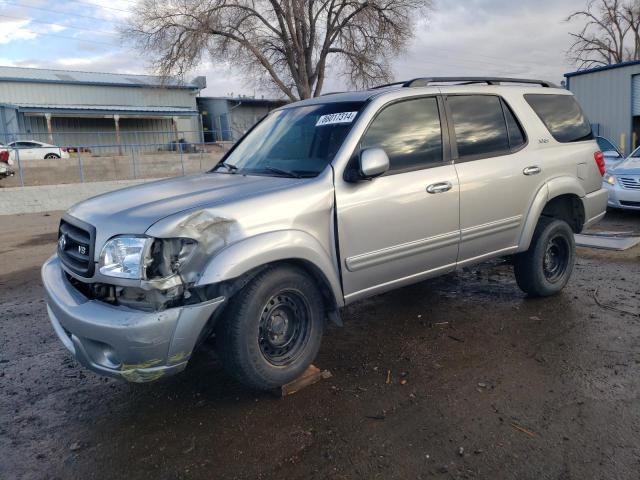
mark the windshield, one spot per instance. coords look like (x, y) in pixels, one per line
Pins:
(635, 153)
(295, 142)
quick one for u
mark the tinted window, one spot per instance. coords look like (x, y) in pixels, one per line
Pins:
(479, 125)
(409, 132)
(516, 135)
(562, 116)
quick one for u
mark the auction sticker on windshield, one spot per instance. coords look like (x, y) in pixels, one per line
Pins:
(332, 118)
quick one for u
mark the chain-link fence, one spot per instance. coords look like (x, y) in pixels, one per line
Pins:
(105, 156)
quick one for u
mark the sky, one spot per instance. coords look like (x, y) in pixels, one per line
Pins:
(519, 38)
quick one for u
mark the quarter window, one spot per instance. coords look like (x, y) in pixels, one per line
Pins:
(562, 116)
(410, 133)
(479, 125)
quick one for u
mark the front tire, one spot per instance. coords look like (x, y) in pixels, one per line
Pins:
(546, 267)
(51, 156)
(272, 329)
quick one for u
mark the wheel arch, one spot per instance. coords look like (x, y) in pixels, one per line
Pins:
(295, 247)
(559, 198)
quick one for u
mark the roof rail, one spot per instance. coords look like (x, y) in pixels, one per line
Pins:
(423, 82)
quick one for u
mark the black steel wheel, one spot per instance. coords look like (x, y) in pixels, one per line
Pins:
(556, 258)
(272, 329)
(285, 326)
(545, 268)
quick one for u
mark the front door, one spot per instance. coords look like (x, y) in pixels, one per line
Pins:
(403, 226)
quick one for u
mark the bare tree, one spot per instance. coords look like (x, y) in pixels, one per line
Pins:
(286, 43)
(611, 33)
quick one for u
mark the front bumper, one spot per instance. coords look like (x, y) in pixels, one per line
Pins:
(619, 197)
(118, 341)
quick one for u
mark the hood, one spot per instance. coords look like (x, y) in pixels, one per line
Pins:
(631, 166)
(134, 209)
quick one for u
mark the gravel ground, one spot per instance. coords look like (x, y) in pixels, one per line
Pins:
(484, 383)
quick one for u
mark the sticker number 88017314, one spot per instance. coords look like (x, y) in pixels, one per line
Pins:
(333, 118)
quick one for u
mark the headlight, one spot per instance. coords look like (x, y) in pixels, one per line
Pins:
(124, 257)
(610, 179)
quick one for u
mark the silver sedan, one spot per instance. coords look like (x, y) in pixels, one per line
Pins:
(623, 183)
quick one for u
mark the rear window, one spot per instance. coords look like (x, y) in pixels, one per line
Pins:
(562, 116)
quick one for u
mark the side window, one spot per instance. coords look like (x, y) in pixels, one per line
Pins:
(479, 125)
(562, 116)
(516, 135)
(410, 133)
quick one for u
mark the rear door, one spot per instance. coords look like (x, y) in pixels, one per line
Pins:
(498, 175)
(402, 226)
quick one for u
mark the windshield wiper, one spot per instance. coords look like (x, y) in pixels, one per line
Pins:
(284, 173)
(230, 167)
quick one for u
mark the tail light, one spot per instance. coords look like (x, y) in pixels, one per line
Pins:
(4, 156)
(599, 158)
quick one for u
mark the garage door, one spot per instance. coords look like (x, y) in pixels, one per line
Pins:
(635, 95)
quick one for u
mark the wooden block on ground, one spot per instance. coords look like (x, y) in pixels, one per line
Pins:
(310, 376)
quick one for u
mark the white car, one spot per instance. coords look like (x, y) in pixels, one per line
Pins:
(32, 150)
(623, 183)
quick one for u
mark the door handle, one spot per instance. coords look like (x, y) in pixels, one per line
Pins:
(532, 170)
(440, 187)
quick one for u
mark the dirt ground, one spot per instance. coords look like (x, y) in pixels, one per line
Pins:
(485, 383)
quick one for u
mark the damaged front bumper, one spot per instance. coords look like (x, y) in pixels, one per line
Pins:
(118, 341)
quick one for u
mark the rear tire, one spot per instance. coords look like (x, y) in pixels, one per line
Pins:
(272, 329)
(546, 267)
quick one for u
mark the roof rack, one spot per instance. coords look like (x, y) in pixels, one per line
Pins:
(423, 82)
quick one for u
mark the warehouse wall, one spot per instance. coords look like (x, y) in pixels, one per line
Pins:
(606, 98)
(99, 134)
(71, 94)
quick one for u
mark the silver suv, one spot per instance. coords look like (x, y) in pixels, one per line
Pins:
(325, 202)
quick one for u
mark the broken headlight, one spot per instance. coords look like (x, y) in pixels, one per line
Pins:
(168, 255)
(144, 257)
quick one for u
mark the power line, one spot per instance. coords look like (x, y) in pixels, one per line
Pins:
(56, 11)
(100, 6)
(31, 20)
(76, 39)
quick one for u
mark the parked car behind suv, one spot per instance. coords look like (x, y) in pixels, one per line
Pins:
(5, 162)
(32, 150)
(325, 202)
(623, 183)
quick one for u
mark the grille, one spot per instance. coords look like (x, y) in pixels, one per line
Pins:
(75, 245)
(626, 203)
(630, 182)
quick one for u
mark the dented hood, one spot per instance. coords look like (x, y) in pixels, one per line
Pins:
(134, 209)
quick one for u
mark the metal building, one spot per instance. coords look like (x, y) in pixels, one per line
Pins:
(98, 110)
(610, 96)
(226, 119)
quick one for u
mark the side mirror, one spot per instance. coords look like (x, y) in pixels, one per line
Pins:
(611, 154)
(372, 163)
